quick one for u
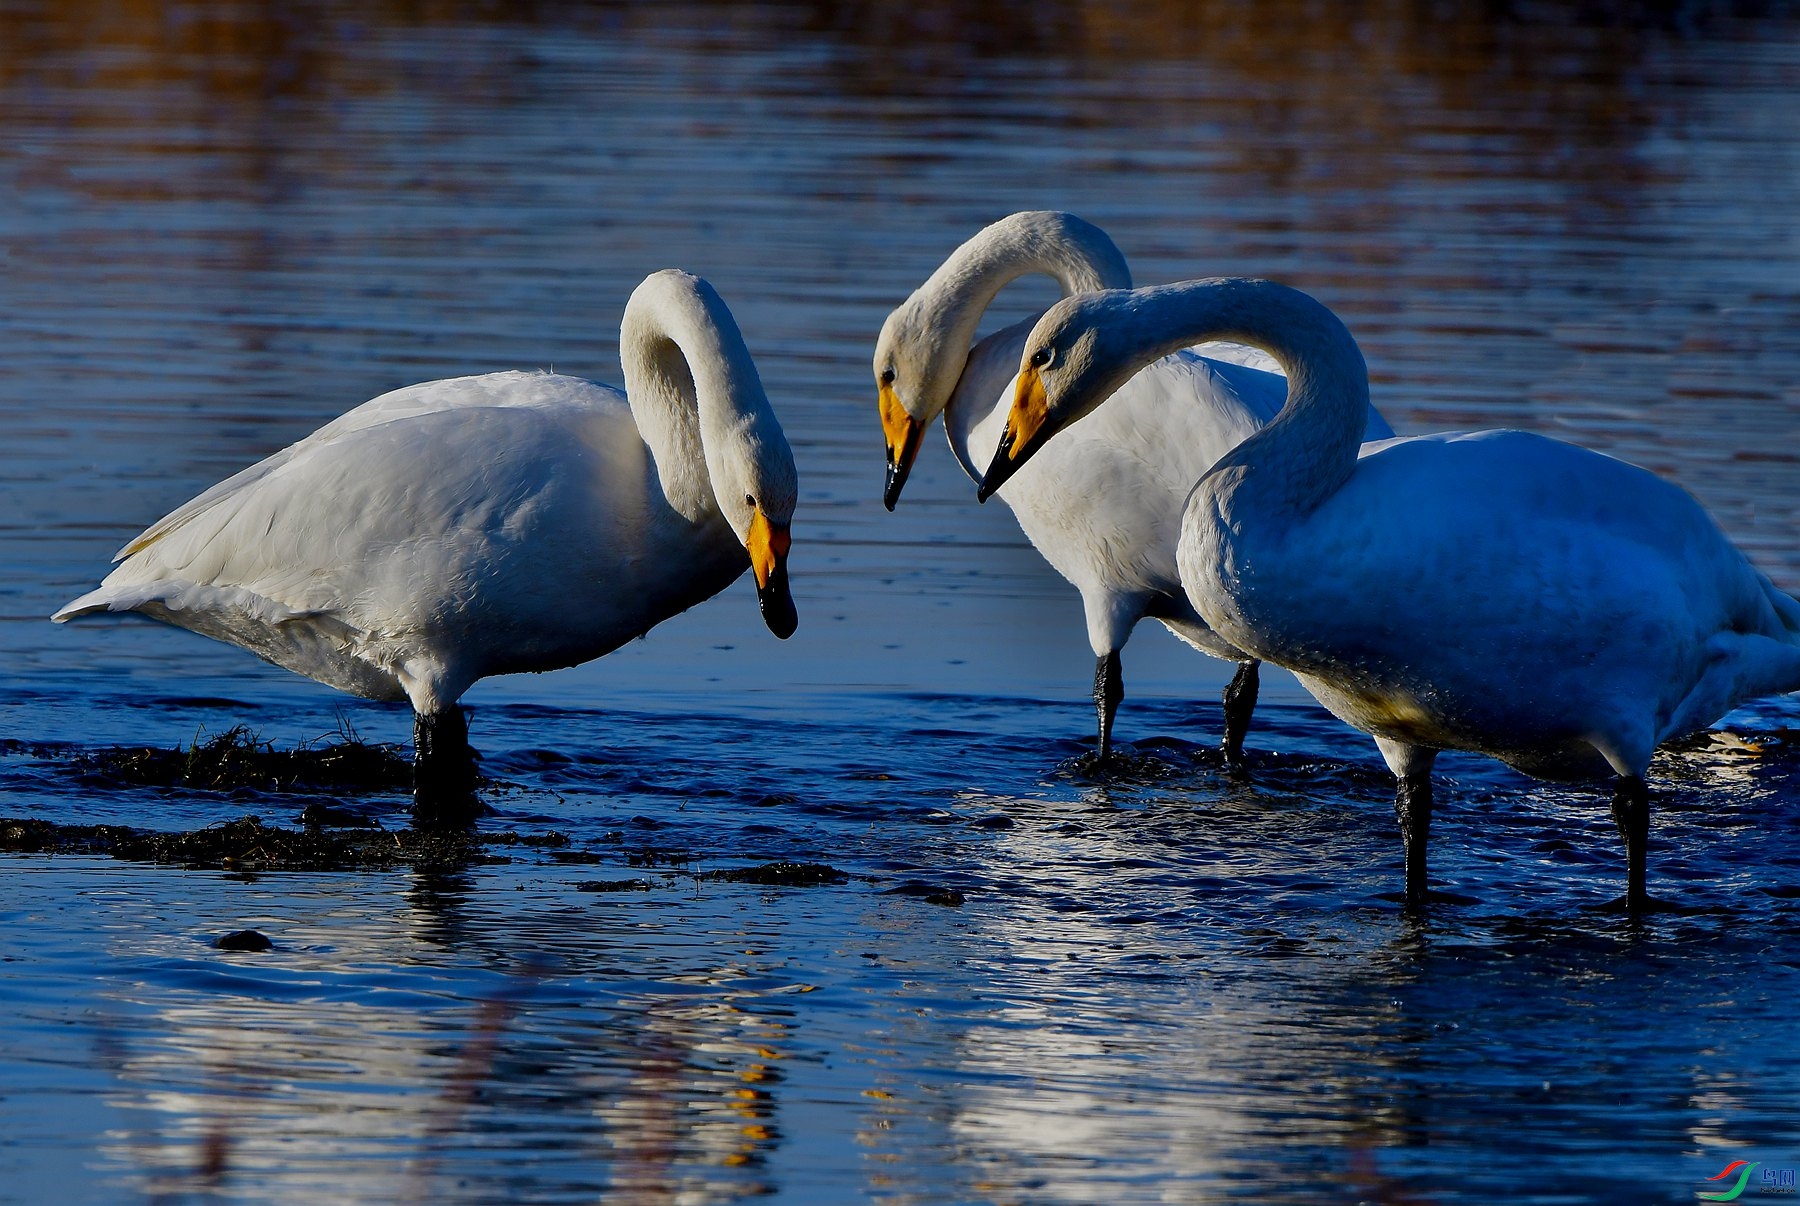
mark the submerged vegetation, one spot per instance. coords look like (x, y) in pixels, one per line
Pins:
(247, 844)
(338, 762)
(330, 834)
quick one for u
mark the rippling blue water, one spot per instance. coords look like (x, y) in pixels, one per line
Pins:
(227, 223)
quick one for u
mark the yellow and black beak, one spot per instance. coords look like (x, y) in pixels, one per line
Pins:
(1026, 431)
(904, 434)
(768, 547)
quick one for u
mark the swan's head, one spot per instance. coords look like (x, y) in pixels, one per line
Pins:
(755, 484)
(914, 378)
(1075, 357)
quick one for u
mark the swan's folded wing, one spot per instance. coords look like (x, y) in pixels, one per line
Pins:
(1241, 354)
(177, 596)
(385, 520)
(1187, 411)
(1262, 383)
(429, 397)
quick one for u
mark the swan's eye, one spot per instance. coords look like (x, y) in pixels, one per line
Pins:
(749, 500)
(1040, 358)
(887, 376)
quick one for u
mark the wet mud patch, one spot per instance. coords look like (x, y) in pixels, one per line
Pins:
(244, 940)
(780, 874)
(930, 893)
(247, 844)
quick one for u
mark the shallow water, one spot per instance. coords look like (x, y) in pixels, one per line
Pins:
(229, 223)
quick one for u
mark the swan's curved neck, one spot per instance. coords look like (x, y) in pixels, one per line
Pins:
(1078, 254)
(1308, 450)
(691, 383)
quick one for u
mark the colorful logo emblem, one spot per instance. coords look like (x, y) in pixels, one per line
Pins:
(1735, 1190)
(1774, 1180)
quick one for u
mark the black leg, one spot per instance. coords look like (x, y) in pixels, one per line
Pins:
(1631, 812)
(1240, 701)
(1412, 803)
(1109, 689)
(443, 771)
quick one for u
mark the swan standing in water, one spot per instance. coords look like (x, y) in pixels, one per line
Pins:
(488, 525)
(1103, 507)
(1500, 592)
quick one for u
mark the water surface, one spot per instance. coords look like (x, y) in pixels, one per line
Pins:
(225, 224)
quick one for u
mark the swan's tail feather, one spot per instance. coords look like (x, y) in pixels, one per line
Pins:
(165, 600)
(1740, 667)
(1787, 609)
(86, 605)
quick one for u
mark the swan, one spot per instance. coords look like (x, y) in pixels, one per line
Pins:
(483, 525)
(1496, 591)
(1104, 509)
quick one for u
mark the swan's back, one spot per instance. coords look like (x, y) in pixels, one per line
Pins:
(1591, 598)
(512, 389)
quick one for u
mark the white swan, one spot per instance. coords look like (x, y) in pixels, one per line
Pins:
(1498, 592)
(1104, 508)
(488, 525)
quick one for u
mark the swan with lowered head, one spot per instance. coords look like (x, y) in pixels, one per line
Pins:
(516, 521)
(1496, 591)
(1104, 507)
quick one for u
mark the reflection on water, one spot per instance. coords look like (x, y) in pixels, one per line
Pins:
(232, 221)
(1179, 980)
(349, 1056)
